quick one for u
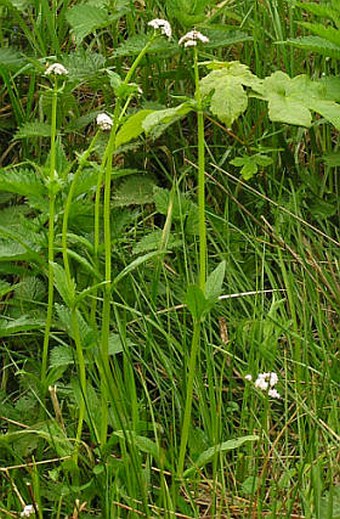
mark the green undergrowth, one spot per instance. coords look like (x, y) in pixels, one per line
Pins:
(152, 269)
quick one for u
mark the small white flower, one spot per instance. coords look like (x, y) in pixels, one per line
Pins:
(57, 69)
(272, 378)
(273, 393)
(191, 38)
(27, 511)
(163, 25)
(248, 377)
(261, 382)
(104, 122)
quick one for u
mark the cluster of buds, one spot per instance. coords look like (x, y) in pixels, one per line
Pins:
(266, 382)
(56, 69)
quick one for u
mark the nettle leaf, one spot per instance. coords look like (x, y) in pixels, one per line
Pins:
(86, 19)
(134, 190)
(226, 86)
(34, 129)
(329, 33)
(316, 44)
(22, 182)
(291, 100)
(132, 127)
(65, 287)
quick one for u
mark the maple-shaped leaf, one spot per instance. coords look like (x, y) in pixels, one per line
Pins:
(291, 100)
(226, 84)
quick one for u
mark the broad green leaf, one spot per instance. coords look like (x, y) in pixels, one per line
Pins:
(328, 109)
(165, 117)
(225, 85)
(197, 303)
(208, 455)
(132, 127)
(213, 286)
(250, 164)
(85, 19)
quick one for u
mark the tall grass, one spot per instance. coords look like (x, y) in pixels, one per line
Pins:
(145, 284)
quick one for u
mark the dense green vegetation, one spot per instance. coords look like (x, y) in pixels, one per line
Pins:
(169, 259)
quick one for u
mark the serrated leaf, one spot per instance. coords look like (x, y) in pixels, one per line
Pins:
(214, 282)
(132, 127)
(34, 129)
(135, 190)
(85, 19)
(65, 287)
(152, 241)
(135, 44)
(208, 455)
(326, 32)
(61, 356)
(316, 44)
(22, 182)
(228, 97)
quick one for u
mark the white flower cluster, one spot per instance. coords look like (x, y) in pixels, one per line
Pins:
(191, 38)
(104, 122)
(266, 382)
(56, 69)
(27, 511)
(162, 25)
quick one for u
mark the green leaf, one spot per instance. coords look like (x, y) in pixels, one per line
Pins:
(85, 19)
(142, 443)
(132, 127)
(34, 129)
(22, 182)
(165, 117)
(10, 58)
(23, 324)
(328, 109)
(65, 288)
(213, 286)
(225, 85)
(197, 303)
(134, 190)
(208, 455)
(316, 44)
(328, 33)
(135, 264)
(61, 356)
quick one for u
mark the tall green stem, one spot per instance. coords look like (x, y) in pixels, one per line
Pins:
(202, 269)
(201, 179)
(52, 196)
(188, 403)
(107, 296)
(74, 317)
